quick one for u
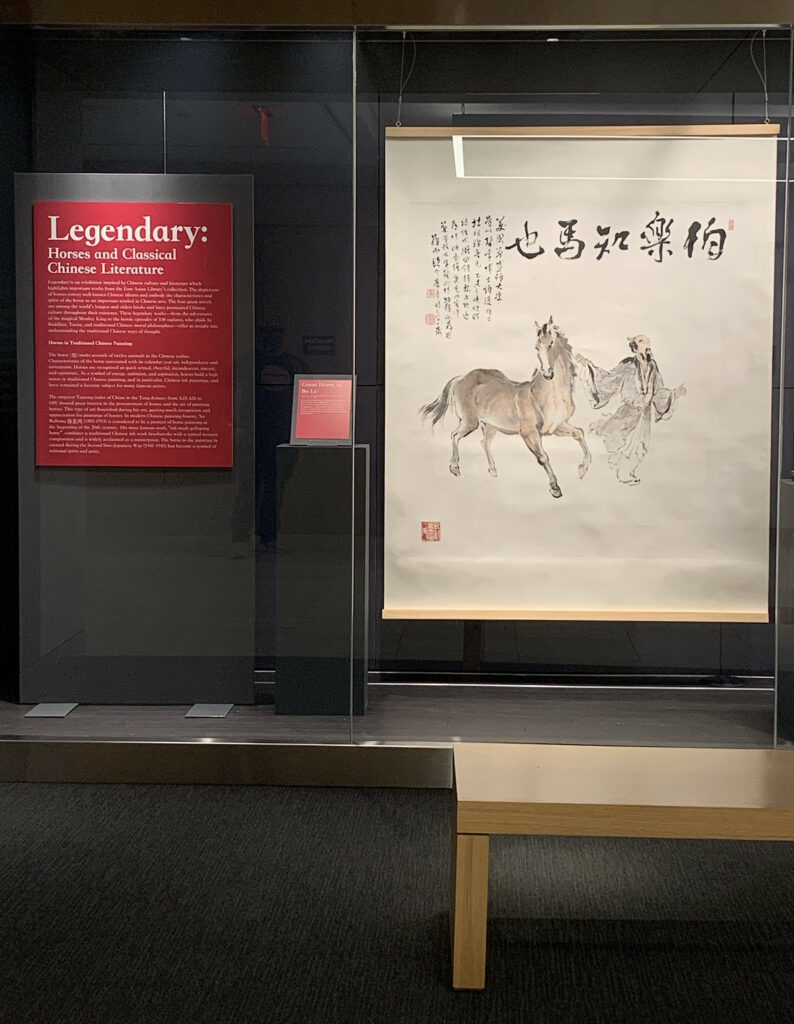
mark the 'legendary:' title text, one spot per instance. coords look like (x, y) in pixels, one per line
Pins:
(94, 234)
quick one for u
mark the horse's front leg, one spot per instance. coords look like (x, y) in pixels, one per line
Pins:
(488, 433)
(567, 430)
(532, 441)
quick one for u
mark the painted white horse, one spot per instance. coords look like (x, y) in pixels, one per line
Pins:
(533, 409)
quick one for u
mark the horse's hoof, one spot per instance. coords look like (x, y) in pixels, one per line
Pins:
(455, 470)
(583, 469)
(492, 472)
(555, 492)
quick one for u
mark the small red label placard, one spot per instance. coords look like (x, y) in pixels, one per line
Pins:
(133, 334)
(323, 409)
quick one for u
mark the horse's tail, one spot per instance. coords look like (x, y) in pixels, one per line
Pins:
(435, 410)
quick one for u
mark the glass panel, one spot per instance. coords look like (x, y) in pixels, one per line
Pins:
(280, 106)
(441, 678)
(290, 127)
(784, 603)
(147, 565)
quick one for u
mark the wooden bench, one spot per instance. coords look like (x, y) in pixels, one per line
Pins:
(660, 792)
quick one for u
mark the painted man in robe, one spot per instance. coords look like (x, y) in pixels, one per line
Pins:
(626, 432)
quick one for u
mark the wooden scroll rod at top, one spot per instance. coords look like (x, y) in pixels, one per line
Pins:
(594, 131)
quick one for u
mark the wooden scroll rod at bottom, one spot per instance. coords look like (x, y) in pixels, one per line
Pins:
(587, 615)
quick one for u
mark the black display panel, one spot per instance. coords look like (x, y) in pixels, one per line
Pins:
(137, 585)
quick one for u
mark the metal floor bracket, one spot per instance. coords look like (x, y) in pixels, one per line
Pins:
(209, 711)
(50, 711)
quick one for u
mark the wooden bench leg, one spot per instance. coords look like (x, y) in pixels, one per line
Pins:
(469, 910)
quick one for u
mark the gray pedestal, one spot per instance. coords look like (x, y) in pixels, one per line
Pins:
(322, 573)
(785, 616)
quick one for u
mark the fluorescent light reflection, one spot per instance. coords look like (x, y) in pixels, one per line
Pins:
(457, 153)
(460, 167)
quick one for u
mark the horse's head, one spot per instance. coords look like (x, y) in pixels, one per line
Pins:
(544, 343)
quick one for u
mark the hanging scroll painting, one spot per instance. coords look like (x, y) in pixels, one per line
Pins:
(579, 336)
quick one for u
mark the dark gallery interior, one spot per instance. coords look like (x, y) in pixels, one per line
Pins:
(271, 628)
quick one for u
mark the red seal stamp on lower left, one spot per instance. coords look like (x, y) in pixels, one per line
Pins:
(431, 531)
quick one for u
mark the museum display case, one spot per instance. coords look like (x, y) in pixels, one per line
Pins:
(550, 131)
(539, 277)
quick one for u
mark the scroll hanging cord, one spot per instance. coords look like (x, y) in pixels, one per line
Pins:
(404, 82)
(762, 76)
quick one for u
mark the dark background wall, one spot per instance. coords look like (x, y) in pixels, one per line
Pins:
(16, 93)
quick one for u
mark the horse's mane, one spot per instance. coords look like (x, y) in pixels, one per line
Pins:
(562, 349)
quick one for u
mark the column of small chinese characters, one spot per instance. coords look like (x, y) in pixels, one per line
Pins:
(476, 259)
(446, 299)
(499, 244)
(455, 269)
(435, 249)
(487, 288)
(465, 266)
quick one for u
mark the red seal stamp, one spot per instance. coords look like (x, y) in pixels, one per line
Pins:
(431, 531)
(430, 319)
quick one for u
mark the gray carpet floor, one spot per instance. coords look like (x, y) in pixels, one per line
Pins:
(154, 904)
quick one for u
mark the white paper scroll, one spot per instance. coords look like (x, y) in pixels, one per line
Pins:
(667, 240)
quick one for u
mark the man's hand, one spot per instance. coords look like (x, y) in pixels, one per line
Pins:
(680, 391)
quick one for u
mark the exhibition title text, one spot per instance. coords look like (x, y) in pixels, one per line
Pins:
(138, 262)
(94, 234)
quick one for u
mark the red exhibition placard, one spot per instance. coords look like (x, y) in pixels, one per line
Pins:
(133, 334)
(323, 409)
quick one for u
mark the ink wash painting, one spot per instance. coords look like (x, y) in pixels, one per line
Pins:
(579, 342)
